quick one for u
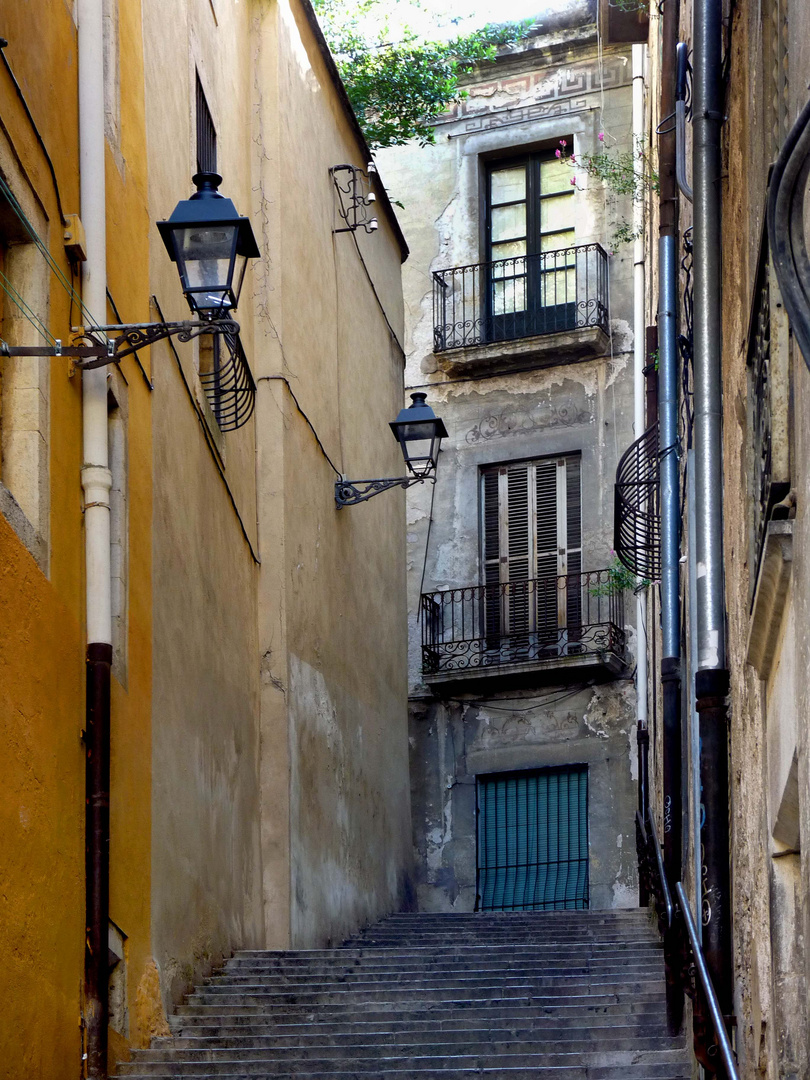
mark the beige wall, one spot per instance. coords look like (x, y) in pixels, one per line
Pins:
(206, 863)
(332, 608)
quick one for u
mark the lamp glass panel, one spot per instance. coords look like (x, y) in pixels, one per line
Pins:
(206, 254)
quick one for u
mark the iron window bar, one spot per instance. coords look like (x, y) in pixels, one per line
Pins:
(517, 622)
(637, 514)
(525, 296)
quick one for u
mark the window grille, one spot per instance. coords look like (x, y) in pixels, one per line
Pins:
(533, 840)
(776, 88)
(206, 134)
(767, 404)
(636, 511)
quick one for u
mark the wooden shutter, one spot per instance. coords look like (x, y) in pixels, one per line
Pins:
(532, 533)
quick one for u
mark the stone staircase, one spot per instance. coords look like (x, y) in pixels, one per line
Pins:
(566, 995)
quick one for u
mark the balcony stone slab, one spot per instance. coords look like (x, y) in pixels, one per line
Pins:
(545, 350)
(550, 671)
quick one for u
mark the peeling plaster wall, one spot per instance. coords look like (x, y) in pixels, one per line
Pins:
(554, 88)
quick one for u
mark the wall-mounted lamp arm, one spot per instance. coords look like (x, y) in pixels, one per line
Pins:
(350, 492)
(93, 353)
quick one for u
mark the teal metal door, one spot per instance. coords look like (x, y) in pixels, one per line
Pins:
(533, 840)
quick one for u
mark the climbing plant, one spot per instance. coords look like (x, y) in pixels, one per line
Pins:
(398, 87)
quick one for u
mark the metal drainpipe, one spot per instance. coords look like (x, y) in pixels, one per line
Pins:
(639, 402)
(96, 483)
(670, 510)
(712, 677)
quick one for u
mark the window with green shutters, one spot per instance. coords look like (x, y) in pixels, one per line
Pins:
(533, 840)
(532, 549)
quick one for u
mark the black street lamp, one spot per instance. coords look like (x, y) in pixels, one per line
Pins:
(419, 433)
(211, 244)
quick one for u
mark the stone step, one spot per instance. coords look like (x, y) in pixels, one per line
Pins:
(367, 1036)
(573, 1072)
(360, 979)
(584, 1012)
(619, 959)
(447, 953)
(290, 1065)
(516, 996)
(499, 1043)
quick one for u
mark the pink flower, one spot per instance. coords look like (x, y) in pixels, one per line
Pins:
(558, 153)
(573, 181)
(573, 158)
(563, 142)
(601, 136)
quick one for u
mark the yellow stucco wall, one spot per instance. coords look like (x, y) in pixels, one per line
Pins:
(259, 790)
(42, 660)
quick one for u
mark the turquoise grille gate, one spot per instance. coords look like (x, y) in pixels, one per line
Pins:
(533, 840)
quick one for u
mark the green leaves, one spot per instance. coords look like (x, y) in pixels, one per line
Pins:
(398, 88)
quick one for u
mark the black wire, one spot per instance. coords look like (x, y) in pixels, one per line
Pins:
(545, 701)
(427, 538)
(21, 96)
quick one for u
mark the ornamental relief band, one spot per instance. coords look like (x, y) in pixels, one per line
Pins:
(547, 96)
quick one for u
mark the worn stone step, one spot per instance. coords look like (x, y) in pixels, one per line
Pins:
(639, 1071)
(360, 981)
(292, 1065)
(582, 1013)
(476, 1043)
(650, 1017)
(368, 1036)
(563, 959)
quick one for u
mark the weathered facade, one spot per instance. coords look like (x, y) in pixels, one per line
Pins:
(762, 976)
(520, 331)
(258, 791)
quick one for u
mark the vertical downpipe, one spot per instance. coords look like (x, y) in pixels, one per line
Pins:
(639, 403)
(670, 509)
(96, 483)
(712, 677)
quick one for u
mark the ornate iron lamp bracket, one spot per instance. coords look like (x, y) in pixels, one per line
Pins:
(350, 492)
(354, 197)
(93, 352)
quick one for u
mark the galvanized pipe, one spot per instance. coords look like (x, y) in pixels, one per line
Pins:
(711, 681)
(668, 421)
(708, 333)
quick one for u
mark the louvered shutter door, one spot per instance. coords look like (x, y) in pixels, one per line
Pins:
(517, 540)
(492, 558)
(573, 543)
(547, 550)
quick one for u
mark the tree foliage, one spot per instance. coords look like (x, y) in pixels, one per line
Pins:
(398, 88)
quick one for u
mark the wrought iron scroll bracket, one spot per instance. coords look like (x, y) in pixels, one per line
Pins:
(350, 492)
(353, 187)
(92, 352)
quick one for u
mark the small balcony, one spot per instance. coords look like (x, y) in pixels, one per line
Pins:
(524, 633)
(542, 308)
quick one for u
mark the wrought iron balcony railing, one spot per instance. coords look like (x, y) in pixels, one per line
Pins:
(522, 622)
(526, 296)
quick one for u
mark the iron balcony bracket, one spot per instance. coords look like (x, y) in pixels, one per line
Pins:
(351, 492)
(94, 352)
